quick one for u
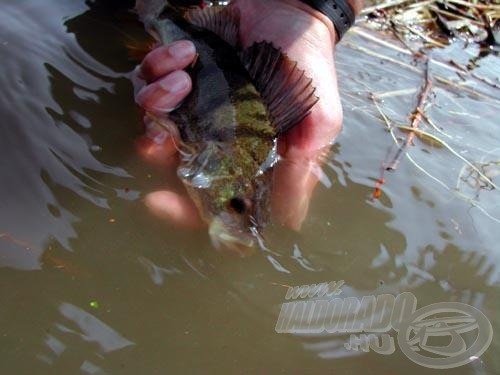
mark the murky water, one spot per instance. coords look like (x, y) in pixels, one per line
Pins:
(90, 283)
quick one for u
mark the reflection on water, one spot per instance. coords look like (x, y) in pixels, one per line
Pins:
(113, 290)
(55, 91)
(89, 329)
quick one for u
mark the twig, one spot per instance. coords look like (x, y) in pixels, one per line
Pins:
(378, 184)
(433, 125)
(417, 118)
(466, 71)
(454, 15)
(381, 180)
(377, 192)
(421, 4)
(384, 117)
(393, 93)
(387, 4)
(363, 32)
(428, 39)
(465, 88)
(401, 38)
(382, 57)
(474, 5)
(485, 80)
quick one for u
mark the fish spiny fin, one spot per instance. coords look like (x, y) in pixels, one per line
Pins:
(286, 90)
(222, 21)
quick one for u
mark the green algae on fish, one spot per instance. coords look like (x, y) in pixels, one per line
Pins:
(241, 101)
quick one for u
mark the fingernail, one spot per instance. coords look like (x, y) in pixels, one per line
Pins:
(175, 82)
(182, 49)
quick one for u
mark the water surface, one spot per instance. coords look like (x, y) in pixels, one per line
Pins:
(90, 283)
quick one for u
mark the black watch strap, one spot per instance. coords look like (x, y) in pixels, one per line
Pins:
(339, 11)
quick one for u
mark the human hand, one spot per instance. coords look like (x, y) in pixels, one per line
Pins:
(307, 37)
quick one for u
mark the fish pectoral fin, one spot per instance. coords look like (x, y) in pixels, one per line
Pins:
(222, 21)
(286, 90)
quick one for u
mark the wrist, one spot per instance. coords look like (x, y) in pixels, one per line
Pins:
(339, 12)
(303, 6)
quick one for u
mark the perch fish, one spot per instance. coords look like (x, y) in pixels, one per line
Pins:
(241, 101)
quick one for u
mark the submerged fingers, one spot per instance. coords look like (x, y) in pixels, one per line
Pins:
(160, 86)
(166, 59)
(175, 208)
(165, 94)
(295, 181)
(164, 83)
(159, 143)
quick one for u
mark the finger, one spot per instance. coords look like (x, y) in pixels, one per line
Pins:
(166, 59)
(166, 94)
(157, 145)
(175, 208)
(294, 183)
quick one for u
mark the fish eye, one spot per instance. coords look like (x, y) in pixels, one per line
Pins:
(239, 205)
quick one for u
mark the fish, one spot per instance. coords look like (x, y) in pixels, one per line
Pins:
(242, 100)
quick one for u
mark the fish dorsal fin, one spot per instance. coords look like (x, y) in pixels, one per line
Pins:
(286, 90)
(222, 21)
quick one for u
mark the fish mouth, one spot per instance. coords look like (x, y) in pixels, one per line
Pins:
(223, 238)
